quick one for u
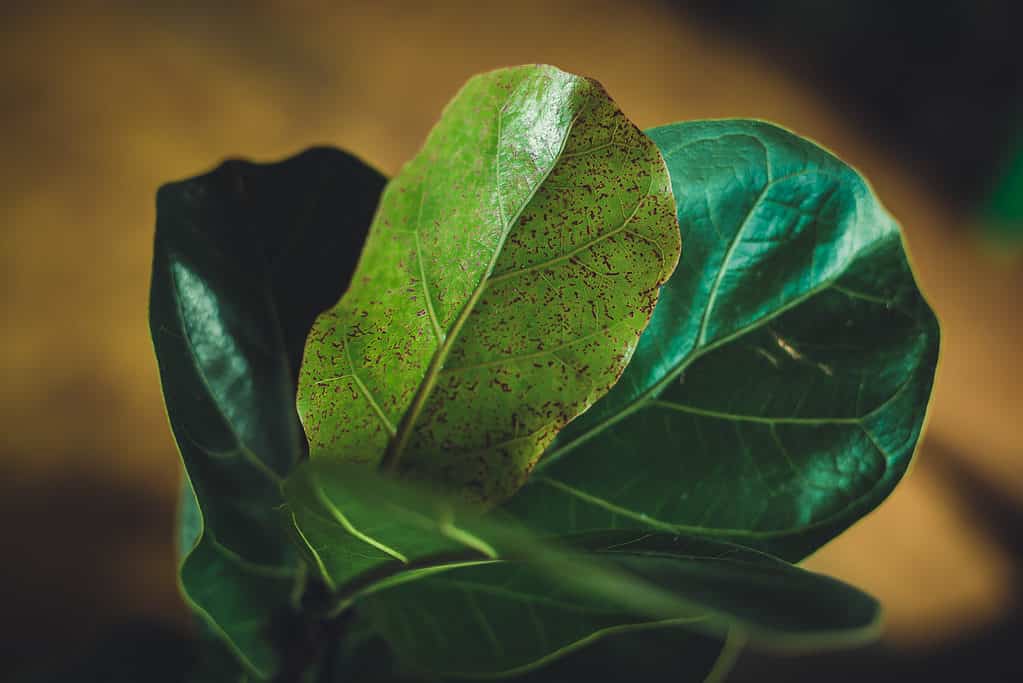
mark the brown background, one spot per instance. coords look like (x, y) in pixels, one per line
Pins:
(101, 104)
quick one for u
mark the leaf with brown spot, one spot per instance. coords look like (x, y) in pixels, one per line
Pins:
(476, 255)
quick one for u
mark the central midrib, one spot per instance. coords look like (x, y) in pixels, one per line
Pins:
(399, 442)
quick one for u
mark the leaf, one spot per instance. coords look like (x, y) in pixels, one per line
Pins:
(437, 579)
(673, 653)
(508, 274)
(235, 597)
(503, 619)
(245, 257)
(357, 527)
(781, 387)
(664, 653)
(361, 529)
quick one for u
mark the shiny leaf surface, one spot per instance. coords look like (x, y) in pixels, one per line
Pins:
(508, 274)
(245, 258)
(780, 389)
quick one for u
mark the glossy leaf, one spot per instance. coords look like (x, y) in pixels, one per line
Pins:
(506, 618)
(780, 389)
(508, 274)
(245, 258)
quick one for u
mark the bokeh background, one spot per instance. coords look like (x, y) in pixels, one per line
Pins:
(101, 102)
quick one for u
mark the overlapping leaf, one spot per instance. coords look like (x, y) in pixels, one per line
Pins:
(508, 618)
(357, 527)
(459, 594)
(777, 396)
(508, 274)
(245, 258)
(632, 653)
(780, 389)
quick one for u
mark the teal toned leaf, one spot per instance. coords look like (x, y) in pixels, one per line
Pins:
(780, 389)
(506, 618)
(245, 258)
(508, 274)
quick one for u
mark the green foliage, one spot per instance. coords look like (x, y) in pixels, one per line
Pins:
(776, 397)
(779, 392)
(507, 618)
(428, 572)
(234, 293)
(509, 271)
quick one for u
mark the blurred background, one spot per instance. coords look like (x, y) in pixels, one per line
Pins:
(101, 102)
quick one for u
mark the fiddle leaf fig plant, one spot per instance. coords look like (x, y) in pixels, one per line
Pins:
(483, 421)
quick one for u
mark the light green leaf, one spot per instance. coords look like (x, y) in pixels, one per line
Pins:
(503, 619)
(781, 387)
(239, 273)
(508, 274)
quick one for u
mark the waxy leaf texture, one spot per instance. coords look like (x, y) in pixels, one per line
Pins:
(781, 387)
(239, 273)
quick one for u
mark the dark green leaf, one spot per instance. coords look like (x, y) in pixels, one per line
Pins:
(663, 653)
(245, 258)
(505, 618)
(1003, 210)
(421, 563)
(780, 389)
(506, 279)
